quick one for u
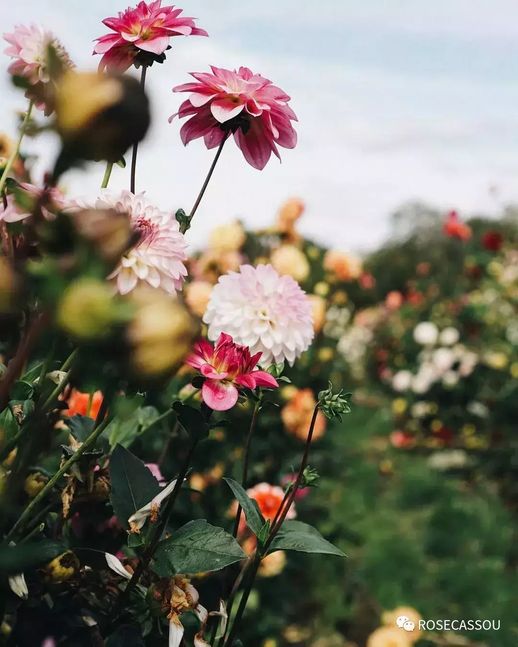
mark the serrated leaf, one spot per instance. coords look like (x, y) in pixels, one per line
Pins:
(132, 484)
(299, 536)
(254, 518)
(197, 547)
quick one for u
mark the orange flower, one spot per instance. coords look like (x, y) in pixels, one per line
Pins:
(296, 415)
(269, 498)
(83, 404)
(288, 215)
(342, 265)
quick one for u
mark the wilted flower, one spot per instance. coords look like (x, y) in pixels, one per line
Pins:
(141, 34)
(297, 413)
(426, 333)
(99, 116)
(226, 367)
(158, 257)
(86, 309)
(239, 102)
(455, 228)
(83, 404)
(344, 266)
(18, 586)
(262, 310)
(160, 333)
(32, 49)
(117, 566)
(197, 296)
(290, 260)
(13, 212)
(150, 510)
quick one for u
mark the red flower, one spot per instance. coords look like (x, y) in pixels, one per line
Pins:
(492, 241)
(83, 404)
(455, 228)
(227, 367)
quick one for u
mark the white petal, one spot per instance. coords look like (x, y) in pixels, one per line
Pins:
(116, 565)
(18, 586)
(202, 613)
(199, 641)
(175, 632)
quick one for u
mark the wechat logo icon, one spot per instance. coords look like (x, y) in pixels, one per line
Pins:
(404, 622)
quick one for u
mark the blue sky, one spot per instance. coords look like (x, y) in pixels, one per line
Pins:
(397, 100)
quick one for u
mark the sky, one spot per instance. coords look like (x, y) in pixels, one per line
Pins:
(397, 100)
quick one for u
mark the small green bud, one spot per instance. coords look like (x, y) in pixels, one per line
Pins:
(310, 477)
(334, 405)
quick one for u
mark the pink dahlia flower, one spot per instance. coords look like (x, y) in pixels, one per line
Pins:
(12, 212)
(244, 103)
(226, 367)
(143, 30)
(267, 312)
(158, 258)
(29, 49)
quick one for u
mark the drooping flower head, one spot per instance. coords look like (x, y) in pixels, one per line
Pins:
(262, 310)
(158, 257)
(454, 227)
(239, 102)
(29, 48)
(226, 367)
(141, 34)
(13, 212)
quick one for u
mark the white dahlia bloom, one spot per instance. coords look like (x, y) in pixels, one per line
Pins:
(262, 310)
(158, 257)
(426, 333)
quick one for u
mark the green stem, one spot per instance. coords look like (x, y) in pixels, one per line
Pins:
(89, 442)
(134, 152)
(246, 459)
(16, 151)
(254, 566)
(62, 384)
(107, 175)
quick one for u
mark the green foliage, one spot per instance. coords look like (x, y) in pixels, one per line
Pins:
(298, 536)
(254, 518)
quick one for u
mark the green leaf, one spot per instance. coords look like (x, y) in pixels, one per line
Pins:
(125, 430)
(254, 518)
(191, 419)
(16, 559)
(196, 547)
(132, 484)
(295, 535)
(80, 427)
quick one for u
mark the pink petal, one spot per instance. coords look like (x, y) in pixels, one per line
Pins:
(219, 396)
(209, 371)
(263, 378)
(156, 46)
(225, 109)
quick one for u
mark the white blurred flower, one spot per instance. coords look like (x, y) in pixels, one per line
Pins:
(477, 409)
(450, 379)
(449, 336)
(426, 333)
(18, 586)
(402, 381)
(443, 359)
(447, 460)
(421, 409)
(468, 361)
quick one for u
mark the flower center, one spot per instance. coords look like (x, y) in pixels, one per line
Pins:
(146, 229)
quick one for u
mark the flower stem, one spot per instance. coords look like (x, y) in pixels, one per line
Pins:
(253, 566)
(246, 459)
(107, 174)
(135, 145)
(14, 154)
(100, 425)
(207, 179)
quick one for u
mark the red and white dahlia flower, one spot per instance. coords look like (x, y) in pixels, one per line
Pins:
(226, 367)
(239, 102)
(146, 28)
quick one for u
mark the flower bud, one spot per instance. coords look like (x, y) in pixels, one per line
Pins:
(99, 116)
(160, 334)
(334, 405)
(86, 309)
(34, 484)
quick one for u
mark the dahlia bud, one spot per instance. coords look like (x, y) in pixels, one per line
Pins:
(334, 405)
(34, 484)
(160, 334)
(86, 310)
(99, 116)
(108, 230)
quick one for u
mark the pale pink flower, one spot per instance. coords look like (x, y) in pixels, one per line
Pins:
(269, 313)
(29, 49)
(142, 30)
(226, 367)
(158, 258)
(12, 212)
(239, 102)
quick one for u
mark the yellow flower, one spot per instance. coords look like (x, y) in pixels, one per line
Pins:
(86, 309)
(496, 360)
(514, 370)
(318, 306)
(322, 288)
(399, 406)
(344, 266)
(389, 637)
(197, 295)
(227, 238)
(62, 567)
(326, 354)
(34, 484)
(289, 259)
(273, 564)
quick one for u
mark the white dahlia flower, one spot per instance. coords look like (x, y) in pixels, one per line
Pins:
(158, 257)
(262, 310)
